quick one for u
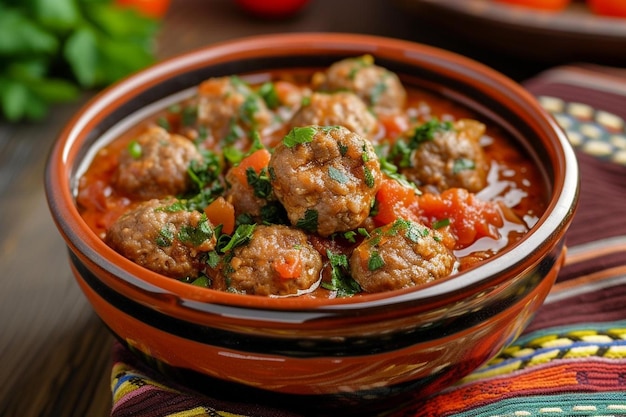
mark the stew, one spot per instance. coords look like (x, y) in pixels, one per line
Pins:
(317, 183)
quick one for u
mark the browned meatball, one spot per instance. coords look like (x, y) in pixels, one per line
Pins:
(341, 108)
(451, 158)
(380, 88)
(155, 165)
(400, 255)
(278, 260)
(163, 238)
(325, 177)
(228, 107)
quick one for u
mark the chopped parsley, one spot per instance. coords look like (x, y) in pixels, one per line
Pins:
(248, 109)
(337, 175)
(427, 131)
(189, 116)
(241, 236)
(268, 93)
(164, 123)
(202, 281)
(375, 261)
(340, 280)
(166, 236)
(370, 181)
(274, 213)
(212, 259)
(206, 173)
(299, 135)
(198, 234)
(177, 205)
(309, 222)
(134, 149)
(463, 164)
(343, 149)
(403, 148)
(441, 223)
(259, 182)
(377, 91)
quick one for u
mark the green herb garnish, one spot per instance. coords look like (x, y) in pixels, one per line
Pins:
(268, 93)
(166, 235)
(299, 135)
(309, 222)
(463, 164)
(375, 261)
(134, 149)
(340, 280)
(259, 182)
(51, 50)
(198, 234)
(241, 236)
(202, 281)
(441, 223)
(337, 175)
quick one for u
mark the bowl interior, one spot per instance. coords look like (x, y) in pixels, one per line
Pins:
(484, 91)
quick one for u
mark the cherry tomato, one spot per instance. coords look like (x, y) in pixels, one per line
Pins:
(272, 8)
(151, 8)
(548, 5)
(616, 8)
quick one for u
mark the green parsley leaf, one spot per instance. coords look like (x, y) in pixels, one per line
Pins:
(241, 236)
(212, 259)
(370, 181)
(337, 175)
(441, 223)
(134, 149)
(463, 164)
(260, 182)
(309, 222)
(196, 235)
(166, 235)
(340, 280)
(248, 109)
(414, 233)
(377, 91)
(267, 91)
(299, 135)
(375, 261)
(202, 281)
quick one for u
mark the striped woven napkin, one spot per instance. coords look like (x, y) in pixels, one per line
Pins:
(571, 360)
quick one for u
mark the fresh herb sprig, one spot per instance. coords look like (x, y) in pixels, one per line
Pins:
(52, 50)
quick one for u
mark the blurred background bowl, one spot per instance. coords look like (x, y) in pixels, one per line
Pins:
(361, 351)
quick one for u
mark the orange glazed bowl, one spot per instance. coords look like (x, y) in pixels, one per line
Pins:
(370, 350)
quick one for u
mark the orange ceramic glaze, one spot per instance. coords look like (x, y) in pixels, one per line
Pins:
(336, 354)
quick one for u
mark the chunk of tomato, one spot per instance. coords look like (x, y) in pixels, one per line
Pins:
(614, 8)
(546, 5)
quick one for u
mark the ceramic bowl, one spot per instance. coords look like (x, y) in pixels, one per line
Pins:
(362, 350)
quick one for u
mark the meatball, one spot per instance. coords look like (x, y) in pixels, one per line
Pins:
(164, 238)
(278, 260)
(155, 165)
(227, 106)
(400, 255)
(341, 108)
(325, 177)
(451, 158)
(380, 88)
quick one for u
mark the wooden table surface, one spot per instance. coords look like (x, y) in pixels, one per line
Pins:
(54, 351)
